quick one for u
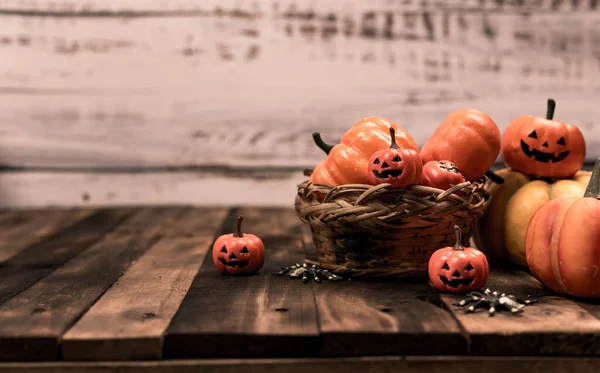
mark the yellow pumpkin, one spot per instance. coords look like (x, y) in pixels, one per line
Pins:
(502, 230)
(489, 235)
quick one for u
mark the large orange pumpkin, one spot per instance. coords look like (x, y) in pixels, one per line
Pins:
(563, 243)
(468, 138)
(348, 161)
(543, 147)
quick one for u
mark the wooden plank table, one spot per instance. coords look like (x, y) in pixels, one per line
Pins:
(135, 290)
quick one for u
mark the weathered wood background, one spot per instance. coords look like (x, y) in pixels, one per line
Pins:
(213, 102)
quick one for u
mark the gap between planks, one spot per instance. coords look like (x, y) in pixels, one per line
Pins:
(25, 267)
(129, 321)
(31, 227)
(382, 317)
(259, 315)
(556, 325)
(32, 322)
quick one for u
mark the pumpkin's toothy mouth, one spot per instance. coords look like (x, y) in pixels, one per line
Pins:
(386, 174)
(452, 169)
(542, 156)
(456, 283)
(235, 263)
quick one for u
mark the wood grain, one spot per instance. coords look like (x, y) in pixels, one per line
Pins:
(556, 325)
(260, 315)
(156, 84)
(365, 318)
(68, 243)
(46, 189)
(32, 322)
(34, 262)
(129, 321)
(37, 225)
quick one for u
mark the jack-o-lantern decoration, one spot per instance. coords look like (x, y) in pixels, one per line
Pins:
(458, 269)
(563, 242)
(543, 147)
(396, 166)
(441, 175)
(238, 253)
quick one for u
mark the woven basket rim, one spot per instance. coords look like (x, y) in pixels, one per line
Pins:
(364, 197)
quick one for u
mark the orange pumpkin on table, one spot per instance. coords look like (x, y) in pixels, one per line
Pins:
(468, 138)
(348, 161)
(563, 242)
(458, 269)
(238, 253)
(543, 147)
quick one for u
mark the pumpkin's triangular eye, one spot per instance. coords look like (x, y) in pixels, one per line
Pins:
(469, 267)
(376, 161)
(245, 250)
(533, 135)
(397, 158)
(224, 250)
(445, 266)
(561, 141)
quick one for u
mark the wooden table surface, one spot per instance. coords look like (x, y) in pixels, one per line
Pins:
(135, 289)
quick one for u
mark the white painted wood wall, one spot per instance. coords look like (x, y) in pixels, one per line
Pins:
(213, 101)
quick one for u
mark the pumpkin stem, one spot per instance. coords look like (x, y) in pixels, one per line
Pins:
(593, 188)
(321, 144)
(238, 228)
(494, 177)
(457, 233)
(550, 110)
(393, 133)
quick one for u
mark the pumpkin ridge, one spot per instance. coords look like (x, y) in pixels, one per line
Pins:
(559, 218)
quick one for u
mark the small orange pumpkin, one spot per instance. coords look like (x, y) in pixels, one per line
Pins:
(458, 269)
(563, 242)
(543, 147)
(441, 175)
(238, 253)
(396, 166)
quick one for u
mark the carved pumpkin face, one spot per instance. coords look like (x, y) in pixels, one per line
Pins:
(441, 175)
(398, 167)
(543, 147)
(238, 253)
(458, 269)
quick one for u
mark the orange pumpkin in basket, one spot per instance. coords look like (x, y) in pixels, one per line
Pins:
(348, 161)
(468, 138)
(563, 242)
(543, 147)
(458, 269)
(398, 167)
(441, 175)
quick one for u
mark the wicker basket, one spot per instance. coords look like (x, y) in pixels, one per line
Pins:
(380, 231)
